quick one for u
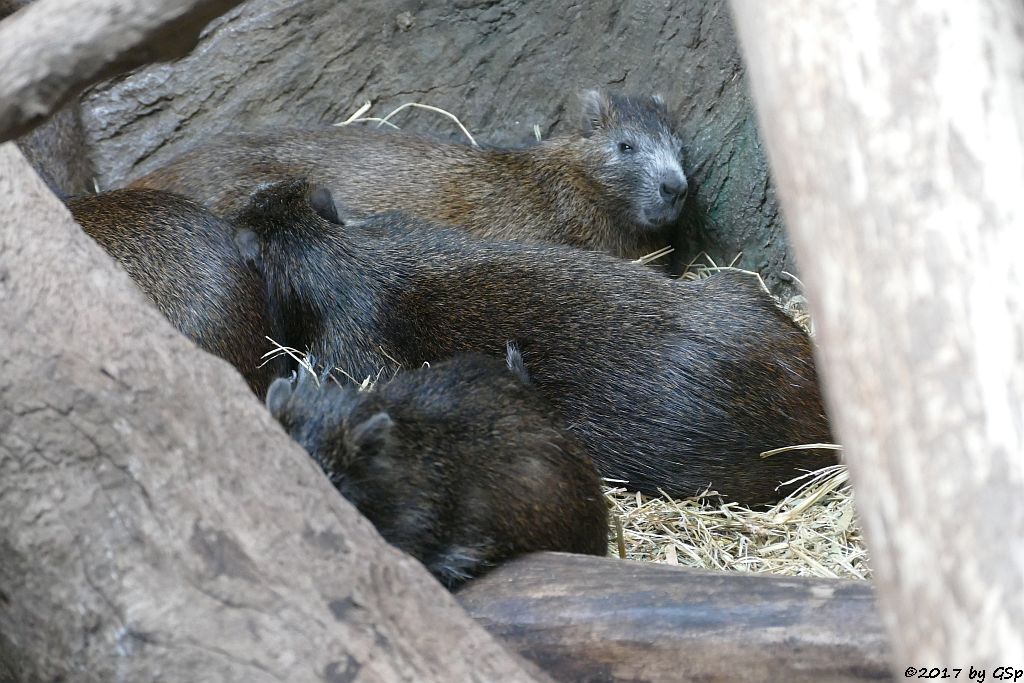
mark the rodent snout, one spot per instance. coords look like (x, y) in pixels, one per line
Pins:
(673, 187)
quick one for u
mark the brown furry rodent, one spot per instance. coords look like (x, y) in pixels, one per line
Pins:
(184, 258)
(617, 186)
(669, 385)
(460, 464)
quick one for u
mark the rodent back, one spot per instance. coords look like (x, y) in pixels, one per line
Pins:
(184, 259)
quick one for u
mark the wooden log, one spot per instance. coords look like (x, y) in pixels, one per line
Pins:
(157, 522)
(893, 128)
(598, 619)
(52, 49)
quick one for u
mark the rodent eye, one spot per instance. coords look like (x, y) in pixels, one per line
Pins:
(625, 147)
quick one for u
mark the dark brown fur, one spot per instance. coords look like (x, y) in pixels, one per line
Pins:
(460, 465)
(578, 190)
(670, 385)
(184, 258)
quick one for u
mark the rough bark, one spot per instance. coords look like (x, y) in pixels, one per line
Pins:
(51, 49)
(502, 67)
(596, 619)
(57, 149)
(895, 131)
(158, 524)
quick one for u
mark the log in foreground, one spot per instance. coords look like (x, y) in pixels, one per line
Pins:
(894, 132)
(52, 49)
(157, 523)
(597, 619)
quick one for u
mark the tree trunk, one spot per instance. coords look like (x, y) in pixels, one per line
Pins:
(52, 49)
(157, 523)
(596, 619)
(895, 131)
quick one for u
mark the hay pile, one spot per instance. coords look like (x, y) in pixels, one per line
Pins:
(813, 532)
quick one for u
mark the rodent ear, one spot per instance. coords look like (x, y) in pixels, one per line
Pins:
(248, 245)
(595, 111)
(278, 395)
(313, 371)
(514, 361)
(373, 433)
(659, 103)
(305, 377)
(322, 201)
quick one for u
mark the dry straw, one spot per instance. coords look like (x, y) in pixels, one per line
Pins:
(358, 116)
(813, 532)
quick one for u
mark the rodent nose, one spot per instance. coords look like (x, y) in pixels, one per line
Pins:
(673, 188)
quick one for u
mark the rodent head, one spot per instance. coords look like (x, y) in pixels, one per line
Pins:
(637, 154)
(288, 202)
(345, 437)
(279, 209)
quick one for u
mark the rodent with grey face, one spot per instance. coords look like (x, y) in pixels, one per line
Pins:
(460, 464)
(672, 386)
(617, 185)
(185, 260)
